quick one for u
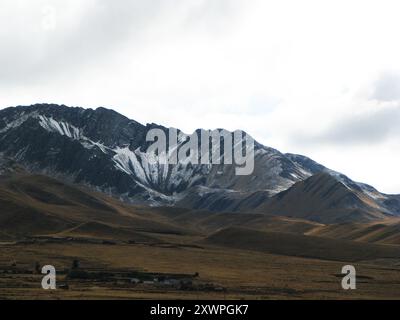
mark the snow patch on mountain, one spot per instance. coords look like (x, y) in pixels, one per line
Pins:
(18, 121)
(63, 128)
(70, 131)
(155, 171)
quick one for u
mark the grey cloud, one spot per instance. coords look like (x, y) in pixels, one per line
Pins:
(387, 88)
(366, 129)
(30, 53)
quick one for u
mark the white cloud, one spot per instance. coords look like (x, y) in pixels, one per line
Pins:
(281, 70)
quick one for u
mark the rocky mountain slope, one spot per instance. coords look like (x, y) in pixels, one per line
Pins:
(107, 151)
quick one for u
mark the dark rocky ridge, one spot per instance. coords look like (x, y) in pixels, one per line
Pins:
(106, 150)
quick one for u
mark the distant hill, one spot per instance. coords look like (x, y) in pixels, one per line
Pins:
(323, 198)
(301, 245)
(374, 232)
(36, 205)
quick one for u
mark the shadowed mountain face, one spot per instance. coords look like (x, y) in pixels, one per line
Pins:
(323, 198)
(37, 205)
(107, 151)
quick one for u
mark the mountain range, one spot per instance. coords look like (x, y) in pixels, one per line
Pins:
(106, 152)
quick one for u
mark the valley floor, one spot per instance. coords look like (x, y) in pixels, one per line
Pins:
(103, 248)
(222, 273)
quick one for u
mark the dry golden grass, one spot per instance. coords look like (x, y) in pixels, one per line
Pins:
(171, 240)
(244, 274)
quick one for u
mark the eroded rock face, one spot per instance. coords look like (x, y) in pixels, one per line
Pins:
(107, 151)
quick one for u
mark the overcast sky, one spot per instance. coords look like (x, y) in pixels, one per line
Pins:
(320, 78)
